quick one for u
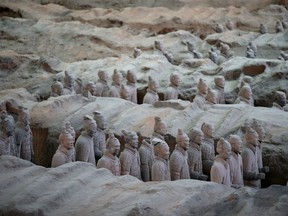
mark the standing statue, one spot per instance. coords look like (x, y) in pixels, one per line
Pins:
(161, 168)
(110, 160)
(245, 95)
(147, 158)
(57, 89)
(253, 46)
(160, 129)
(84, 145)
(151, 96)
(251, 174)
(207, 148)
(283, 56)
(131, 84)
(279, 100)
(102, 87)
(225, 50)
(116, 85)
(129, 158)
(200, 99)
(195, 155)
(69, 82)
(263, 28)
(220, 170)
(124, 93)
(197, 55)
(230, 25)
(70, 129)
(211, 99)
(219, 88)
(219, 28)
(23, 135)
(250, 53)
(179, 167)
(100, 136)
(235, 162)
(172, 90)
(7, 128)
(66, 151)
(90, 88)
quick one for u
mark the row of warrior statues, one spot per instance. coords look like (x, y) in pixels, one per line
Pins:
(194, 156)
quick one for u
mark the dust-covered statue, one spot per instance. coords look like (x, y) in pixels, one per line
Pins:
(147, 158)
(207, 147)
(116, 84)
(200, 97)
(172, 90)
(102, 87)
(7, 128)
(100, 136)
(151, 96)
(131, 85)
(160, 129)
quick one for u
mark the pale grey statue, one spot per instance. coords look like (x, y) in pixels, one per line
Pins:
(84, 145)
(129, 158)
(252, 176)
(147, 158)
(207, 147)
(90, 88)
(57, 89)
(66, 151)
(161, 167)
(235, 161)
(263, 28)
(151, 96)
(100, 136)
(116, 84)
(23, 135)
(195, 155)
(179, 167)
(172, 90)
(69, 81)
(160, 129)
(245, 95)
(102, 87)
(200, 98)
(211, 99)
(131, 85)
(219, 82)
(70, 129)
(220, 170)
(230, 24)
(110, 160)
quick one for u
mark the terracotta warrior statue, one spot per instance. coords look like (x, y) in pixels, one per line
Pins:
(250, 53)
(200, 97)
(151, 95)
(70, 129)
(195, 155)
(220, 170)
(172, 90)
(131, 84)
(65, 152)
(57, 89)
(211, 99)
(160, 129)
(225, 50)
(235, 162)
(84, 145)
(23, 135)
(7, 128)
(219, 88)
(253, 46)
(69, 82)
(219, 28)
(261, 134)
(147, 158)
(110, 160)
(124, 93)
(230, 25)
(102, 87)
(251, 174)
(100, 136)
(207, 147)
(245, 95)
(129, 158)
(161, 168)
(116, 84)
(179, 167)
(90, 88)
(263, 28)
(279, 100)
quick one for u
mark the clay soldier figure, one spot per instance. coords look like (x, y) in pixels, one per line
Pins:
(207, 148)
(84, 145)
(200, 99)
(194, 155)
(279, 26)
(124, 92)
(116, 85)
(129, 158)
(235, 162)
(219, 88)
(280, 100)
(69, 82)
(261, 134)
(161, 168)
(172, 90)
(137, 52)
(131, 84)
(110, 160)
(160, 129)
(147, 158)
(65, 152)
(220, 170)
(6, 133)
(70, 129)
(219, 28)
(250, 53)
(151, 95)
(90, 88)
(245, 95)
(211, 99)
(230, 25)
(23, 135)
(179, 167)
(253, 46)
(102, 87)
(225, 50)
(263, 28)
(100, 136)
(57, 89)
(251, 174)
